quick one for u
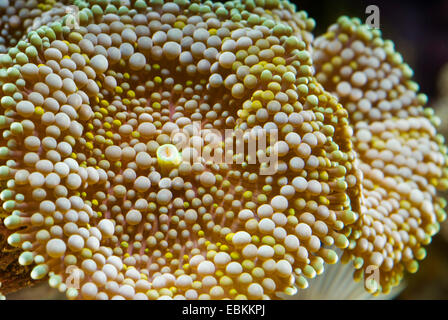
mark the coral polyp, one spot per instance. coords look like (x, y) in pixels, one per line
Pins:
(101, 198)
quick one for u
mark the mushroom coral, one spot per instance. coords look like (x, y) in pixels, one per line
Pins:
(101, 200)
(400, 154)
(17, 17)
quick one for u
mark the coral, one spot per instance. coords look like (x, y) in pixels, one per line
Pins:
(17, 17)
(400, 154)
(105, 201)
(13, 276)
(337, 284)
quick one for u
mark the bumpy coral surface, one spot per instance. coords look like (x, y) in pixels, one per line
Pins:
(17, 17)
(102, 200)
(400, 154)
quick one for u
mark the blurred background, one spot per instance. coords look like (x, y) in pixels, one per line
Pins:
(419, 30)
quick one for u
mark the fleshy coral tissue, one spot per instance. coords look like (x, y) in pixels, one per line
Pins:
(99, 199)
